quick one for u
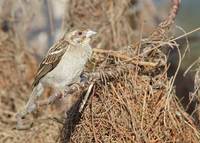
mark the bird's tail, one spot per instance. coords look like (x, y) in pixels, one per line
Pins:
(31, 104)
(37, 91)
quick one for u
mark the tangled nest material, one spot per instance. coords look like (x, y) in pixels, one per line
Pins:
(133, 104)
(133, 99)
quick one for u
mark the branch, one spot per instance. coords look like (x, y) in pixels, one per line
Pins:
(159, 33)
(125, 58)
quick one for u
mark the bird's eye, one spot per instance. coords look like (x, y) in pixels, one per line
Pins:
(80, 33)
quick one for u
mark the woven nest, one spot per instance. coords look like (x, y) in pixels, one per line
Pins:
(131, 103)
(133, 100)
(117, 22)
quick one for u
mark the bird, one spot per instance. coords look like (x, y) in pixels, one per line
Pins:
(62, 66)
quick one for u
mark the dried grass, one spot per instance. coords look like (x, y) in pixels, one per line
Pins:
(137, 105)
(16, 74)
(119, 20)
(17, 71)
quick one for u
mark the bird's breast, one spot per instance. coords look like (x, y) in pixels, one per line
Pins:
(67, 71)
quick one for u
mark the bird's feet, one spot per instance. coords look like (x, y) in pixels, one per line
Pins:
(73, 88)
(50, 100)
(84, 77)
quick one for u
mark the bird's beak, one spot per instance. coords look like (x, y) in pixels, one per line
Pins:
(90, 33)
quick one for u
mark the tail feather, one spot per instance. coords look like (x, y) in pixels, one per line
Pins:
(37, 91)
(30, 106)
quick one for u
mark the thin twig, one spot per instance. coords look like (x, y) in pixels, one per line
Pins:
(86, 96)
(125, 57)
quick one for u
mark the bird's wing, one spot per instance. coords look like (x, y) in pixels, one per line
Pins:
(51, 60)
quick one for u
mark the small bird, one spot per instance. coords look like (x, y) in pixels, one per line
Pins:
(62, 66)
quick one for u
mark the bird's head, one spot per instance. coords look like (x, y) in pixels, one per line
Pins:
(80, 36)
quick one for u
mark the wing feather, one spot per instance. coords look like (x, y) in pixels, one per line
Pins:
(53, 57)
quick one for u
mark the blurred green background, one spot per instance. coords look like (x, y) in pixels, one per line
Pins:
(189, 19)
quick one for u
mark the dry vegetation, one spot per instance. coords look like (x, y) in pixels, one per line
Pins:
(118, 22)
(16, 74)
(132, 99)
(17, 70)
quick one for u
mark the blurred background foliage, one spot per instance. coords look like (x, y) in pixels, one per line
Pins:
(188, 18)
(43, 20)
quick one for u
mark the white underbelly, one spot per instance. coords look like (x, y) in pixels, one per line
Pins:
(67, 72)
